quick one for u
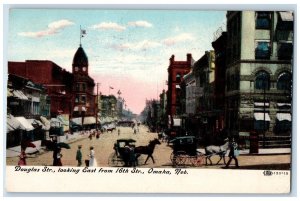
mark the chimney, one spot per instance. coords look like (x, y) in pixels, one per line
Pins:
(172, 59)
(189, 58)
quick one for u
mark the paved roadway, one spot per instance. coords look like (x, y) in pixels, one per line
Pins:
(104, 148)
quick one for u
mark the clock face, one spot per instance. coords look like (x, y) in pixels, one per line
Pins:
(84, 68)
(76, 68)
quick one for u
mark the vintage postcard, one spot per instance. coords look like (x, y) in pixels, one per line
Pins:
(149, 101)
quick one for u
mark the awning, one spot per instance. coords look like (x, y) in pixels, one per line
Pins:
(89, 120)
(46, 122)
(286, 16)
(284, 116)
(261, 104)
(54, 122)
(86, 120)
(9, 94)
(25, 124)
(63, 120)
(80, 108)
(12, 123)
(283, 104)
(20, 95)
(260, 116)
(177, 122)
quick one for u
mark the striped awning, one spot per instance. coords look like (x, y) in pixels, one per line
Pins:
(20, 95)
(12, 123)
(46, 122)
(25, 124)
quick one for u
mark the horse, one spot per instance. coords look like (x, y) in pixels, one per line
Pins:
(217, 150)
(147, 150)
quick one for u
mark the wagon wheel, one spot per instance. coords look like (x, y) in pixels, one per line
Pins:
(198, 160)
(179, 158)
(172, 156)
(114, 160)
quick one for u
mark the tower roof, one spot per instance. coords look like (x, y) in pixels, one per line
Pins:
(80, 58)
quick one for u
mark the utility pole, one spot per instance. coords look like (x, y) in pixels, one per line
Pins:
(97, 99)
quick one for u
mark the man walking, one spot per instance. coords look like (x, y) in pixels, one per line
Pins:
(233, 153)
(79, 156)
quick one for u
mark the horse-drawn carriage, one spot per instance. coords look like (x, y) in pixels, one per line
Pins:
(127, 154)
(123, 153)
(185, 151)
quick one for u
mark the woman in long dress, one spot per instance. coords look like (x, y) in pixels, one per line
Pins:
(22, 157)
(92, 161)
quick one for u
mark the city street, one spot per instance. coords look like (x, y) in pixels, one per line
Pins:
(104, 148)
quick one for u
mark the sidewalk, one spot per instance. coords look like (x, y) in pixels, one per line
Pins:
(272, 151)
(15, 151)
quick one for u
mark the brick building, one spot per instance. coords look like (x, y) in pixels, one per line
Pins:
(84, 102)
(176, 71)
(55, 79)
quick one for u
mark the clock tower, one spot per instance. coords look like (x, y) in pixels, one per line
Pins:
(83, 87)
(80, 62)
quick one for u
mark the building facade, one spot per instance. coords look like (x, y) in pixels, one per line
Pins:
(259, 73)
(219, 46)
(84, 101)
(56, 80)
(176, 71)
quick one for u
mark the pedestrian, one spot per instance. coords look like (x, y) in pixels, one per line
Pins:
(79, 156)
(59, 156)
(119, 132)
(233, 153)
(22, 157)
(92, 161)
(90, 136)
(55, 151)
(132, 157)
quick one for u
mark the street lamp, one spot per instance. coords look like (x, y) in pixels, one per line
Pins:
(265, 85)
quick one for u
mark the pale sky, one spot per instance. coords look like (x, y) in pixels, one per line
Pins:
(127, 49)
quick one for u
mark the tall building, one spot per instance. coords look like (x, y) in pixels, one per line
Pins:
(84, 102)
(259, 74)
(176, 71)
(219, 46)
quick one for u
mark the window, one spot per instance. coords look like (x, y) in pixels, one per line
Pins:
(178, 77)
(261, 125)
(77, 99)
(263, 20)
(77, 86)
(285, 51)
(284, 81)
(262, 50)
(83, 87)
(83, 99)
(262, 80)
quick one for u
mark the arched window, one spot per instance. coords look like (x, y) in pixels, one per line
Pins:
(262, 80)
(284, 81)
